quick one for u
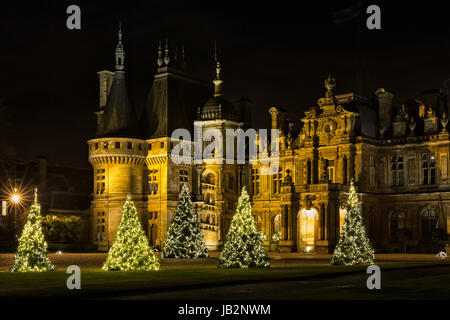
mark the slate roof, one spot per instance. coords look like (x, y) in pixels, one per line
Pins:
(173, 102)
(219, 108)
(119, 117)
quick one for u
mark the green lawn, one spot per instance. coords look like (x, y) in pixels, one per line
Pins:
(101, 283)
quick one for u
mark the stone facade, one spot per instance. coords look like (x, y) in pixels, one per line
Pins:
(397, 157)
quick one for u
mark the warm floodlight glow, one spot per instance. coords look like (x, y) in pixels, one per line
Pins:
(15, 198)
(310, 212)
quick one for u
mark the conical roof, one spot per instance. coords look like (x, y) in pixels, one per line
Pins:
(119, 118)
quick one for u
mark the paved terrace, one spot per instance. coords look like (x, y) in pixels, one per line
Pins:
(95, 260)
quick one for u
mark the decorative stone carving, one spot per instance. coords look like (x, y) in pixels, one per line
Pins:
(430, 122)
(444, 122)
(411, 125)
(307, 200)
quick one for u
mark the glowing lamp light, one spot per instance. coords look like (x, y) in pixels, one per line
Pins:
(310, 213)
(308, 248)
(15, 198)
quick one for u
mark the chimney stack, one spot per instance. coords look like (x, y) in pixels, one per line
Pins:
(385, 108)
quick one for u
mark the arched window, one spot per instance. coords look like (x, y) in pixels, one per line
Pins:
(209, 179)
(429, 224)
(397, 222)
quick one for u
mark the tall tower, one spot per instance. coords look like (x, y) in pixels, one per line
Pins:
(118, 156)
(221, 180)
(172, 104)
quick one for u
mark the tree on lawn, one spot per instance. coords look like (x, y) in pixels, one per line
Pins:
(244, 243)
(184, 238)
(32, 250)
(130, 250)
(353, 246)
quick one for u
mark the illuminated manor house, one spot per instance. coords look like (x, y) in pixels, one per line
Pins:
(396, 154)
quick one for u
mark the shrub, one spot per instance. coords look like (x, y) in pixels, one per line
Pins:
(61, 229)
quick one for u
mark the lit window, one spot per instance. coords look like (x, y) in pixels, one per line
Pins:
(255, 181)
(101, 234)
(429, 168)
(277, 177)
(153, 182)
(397, 171)
(100, 181)
(184, 176)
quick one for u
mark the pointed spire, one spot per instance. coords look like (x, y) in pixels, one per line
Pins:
(120, 52)
(216, 60)
(166, 56)
(160, 60)
(217, 82)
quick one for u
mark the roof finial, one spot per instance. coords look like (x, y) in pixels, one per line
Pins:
(216, 60)
(120, 52)
(160, 60)
(330, 84)
(217, 82)
(166, 57)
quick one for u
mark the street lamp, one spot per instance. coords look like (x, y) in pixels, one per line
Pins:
(15, 199)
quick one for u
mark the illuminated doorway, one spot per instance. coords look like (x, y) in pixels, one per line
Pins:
(307, 227)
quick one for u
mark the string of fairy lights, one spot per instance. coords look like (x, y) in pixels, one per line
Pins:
(244, 245)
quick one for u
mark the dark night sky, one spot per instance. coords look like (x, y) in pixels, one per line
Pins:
(275, 52)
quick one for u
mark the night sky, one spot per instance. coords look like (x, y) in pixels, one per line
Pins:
(275, 52)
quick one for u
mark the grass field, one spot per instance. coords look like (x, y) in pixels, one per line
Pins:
(102, 284)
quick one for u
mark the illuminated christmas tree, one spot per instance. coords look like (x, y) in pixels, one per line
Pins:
(184, 239)
(244, 243)
(130, 250)
(32, 250)
(353, 246)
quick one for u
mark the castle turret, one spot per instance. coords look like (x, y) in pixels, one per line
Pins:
(118, 157)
